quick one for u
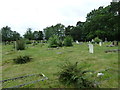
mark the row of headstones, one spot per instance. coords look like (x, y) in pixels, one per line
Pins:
(100, 43)
(91, 47)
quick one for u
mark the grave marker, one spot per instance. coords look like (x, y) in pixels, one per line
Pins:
(77, 42)
(100, 43)
(90, 48)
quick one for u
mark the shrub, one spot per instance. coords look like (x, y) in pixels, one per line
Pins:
(70, 74)
(20, 44)
(97, 40)
(68, 41)
(60, 43)
(54, 41)
(22, 59)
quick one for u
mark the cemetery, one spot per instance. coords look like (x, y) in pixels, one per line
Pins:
(81, 55)
(101, 66)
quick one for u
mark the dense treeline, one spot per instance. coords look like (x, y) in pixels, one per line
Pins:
(9, 35)
(103, 22)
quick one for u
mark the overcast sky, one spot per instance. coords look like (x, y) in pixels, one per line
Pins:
(38, 14)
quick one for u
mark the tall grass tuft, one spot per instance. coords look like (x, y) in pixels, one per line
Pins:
(22, 59)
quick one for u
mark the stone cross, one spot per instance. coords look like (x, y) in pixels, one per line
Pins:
(90, 48)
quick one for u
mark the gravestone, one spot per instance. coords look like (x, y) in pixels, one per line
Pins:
(100, 43)
(105, 39)
(90, 48)
(77, 42)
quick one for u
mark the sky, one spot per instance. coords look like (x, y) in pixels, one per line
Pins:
(39, 14)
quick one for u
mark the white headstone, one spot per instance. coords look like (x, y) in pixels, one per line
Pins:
(77, 42)
(90, 48)
(100, 43)
(92, 40)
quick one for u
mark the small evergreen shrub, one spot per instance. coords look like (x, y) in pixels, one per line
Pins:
(20, 45)
(68, 41)
(70, 74)
(22, 59)
(97, 40)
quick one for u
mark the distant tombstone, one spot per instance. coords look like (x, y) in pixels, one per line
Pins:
(116, 43)
(105, 39)
(100, 43)
(90, 48)
(77, 42)
(92, 40)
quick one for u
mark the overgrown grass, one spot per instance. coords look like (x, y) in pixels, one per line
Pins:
(47, 62)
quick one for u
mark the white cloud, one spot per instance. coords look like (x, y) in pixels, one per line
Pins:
(38, 14)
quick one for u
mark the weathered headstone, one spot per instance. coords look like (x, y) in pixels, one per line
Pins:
(92, 40)
(90, 48)
(105, 39)
(77, 42)
(100, 43)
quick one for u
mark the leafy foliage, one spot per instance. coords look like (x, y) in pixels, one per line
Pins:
(68, 41)
(9, 35)
(97, 40)
(53, 41)
(57, 29)
(22, 59)
(70, 74)
(29, 34)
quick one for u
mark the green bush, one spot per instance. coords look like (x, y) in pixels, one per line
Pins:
(68, 41)
(22, 59)
(70, 74)
(54, 41)
(97, 40)
(20, 45)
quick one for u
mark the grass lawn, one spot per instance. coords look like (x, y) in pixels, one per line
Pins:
(47, 62)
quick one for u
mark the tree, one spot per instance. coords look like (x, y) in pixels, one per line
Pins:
(57, 29)
(38, 35)
(28, 34)
(101, 23)
(9, 35)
